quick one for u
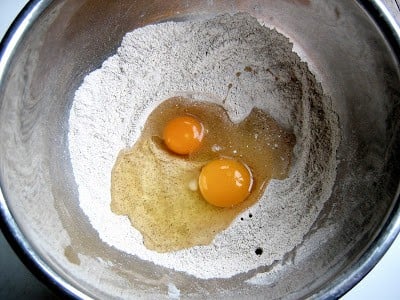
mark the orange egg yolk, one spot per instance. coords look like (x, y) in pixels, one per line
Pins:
(225, 182)
(183, 135)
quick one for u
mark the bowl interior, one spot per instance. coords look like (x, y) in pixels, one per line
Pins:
(68, 39)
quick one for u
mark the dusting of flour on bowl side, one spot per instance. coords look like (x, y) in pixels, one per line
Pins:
(227, 57)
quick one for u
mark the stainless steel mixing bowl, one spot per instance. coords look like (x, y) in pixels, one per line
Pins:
(352, 46)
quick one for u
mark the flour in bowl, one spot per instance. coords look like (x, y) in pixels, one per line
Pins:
(230, 60)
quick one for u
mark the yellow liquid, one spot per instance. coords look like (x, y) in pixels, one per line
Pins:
(156, 189)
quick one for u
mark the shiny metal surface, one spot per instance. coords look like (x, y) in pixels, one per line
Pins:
(55, 44)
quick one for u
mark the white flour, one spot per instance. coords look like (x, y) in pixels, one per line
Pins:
(202, 59)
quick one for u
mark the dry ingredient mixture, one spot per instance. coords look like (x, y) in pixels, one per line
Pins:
(237, 63)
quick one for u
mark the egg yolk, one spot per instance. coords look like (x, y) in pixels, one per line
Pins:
(225, 182)
(183, 135)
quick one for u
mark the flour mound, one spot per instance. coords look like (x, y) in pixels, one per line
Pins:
(230, 60)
